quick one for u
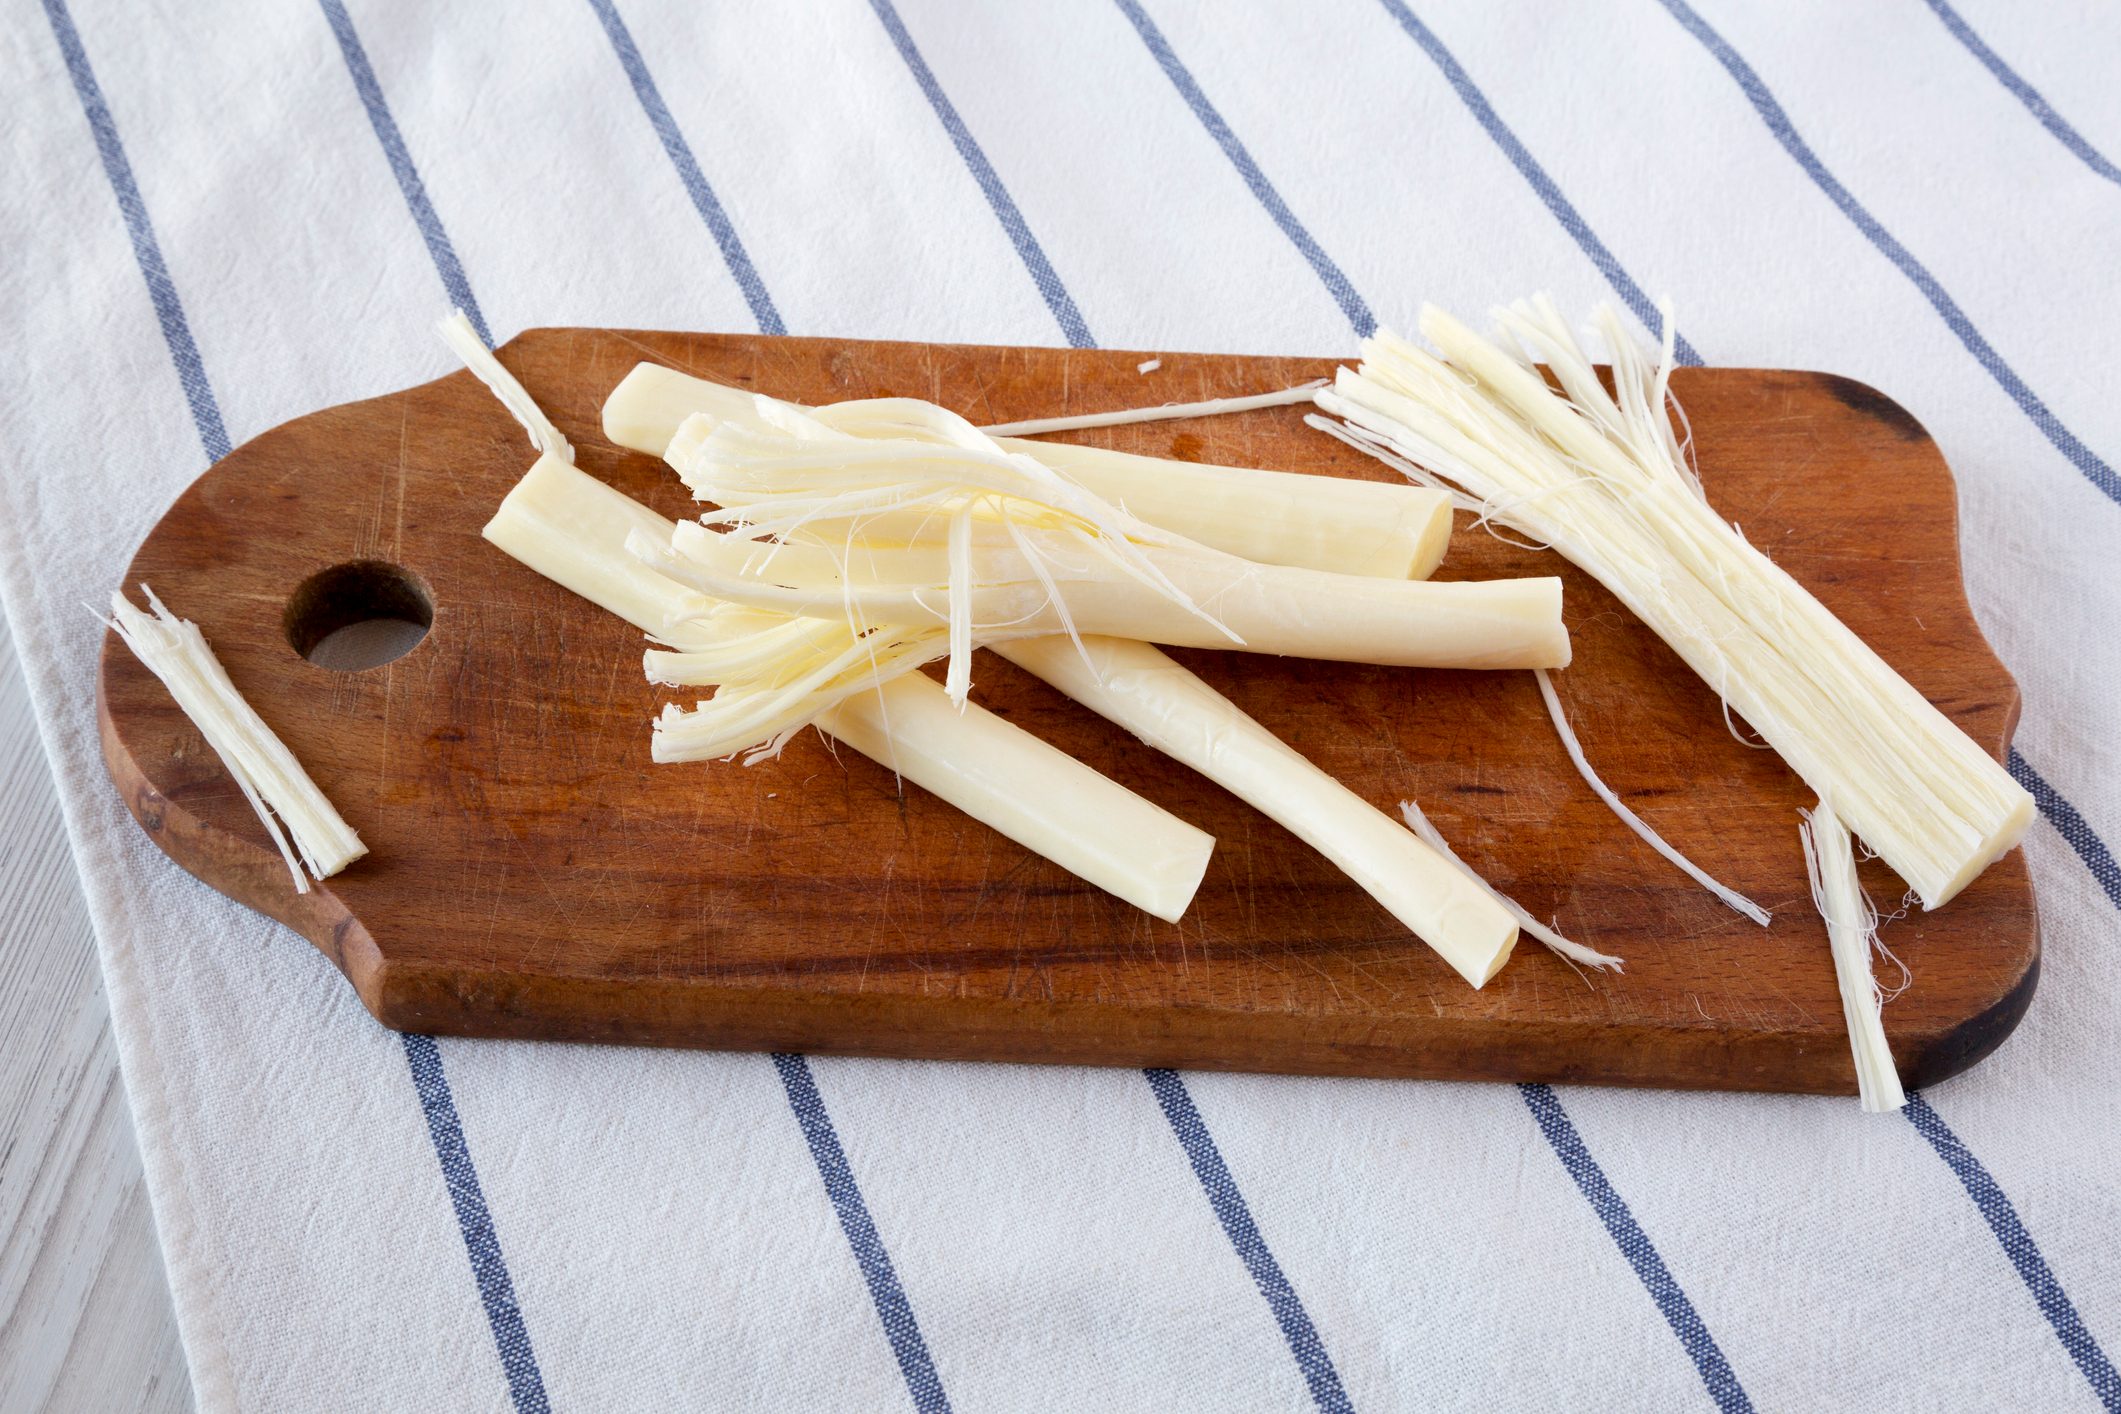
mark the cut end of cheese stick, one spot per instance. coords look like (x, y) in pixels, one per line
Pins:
(570, 527)
(1572, 952)
(1036, 794)
(1332, 523)
(561, 521)
(1171, 709)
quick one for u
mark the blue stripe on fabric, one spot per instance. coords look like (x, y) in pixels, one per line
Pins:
(511, 1338)
(2039, 107)
(892, 1308)
(1028, 249)
(1236, 1217)
(1330, 274)
(2073, 827)
(2024, 1253)
(2070, 825)
(1546, 1105)
(1528, 167)
(439, 249)
(1778, 122)
(704, 200)
(526, 1386)
(1208, 1166)
(2060, 812)
(147, 251)
(1635, 1245)
(492, 1274)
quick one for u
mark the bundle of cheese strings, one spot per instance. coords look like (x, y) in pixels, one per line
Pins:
(1601, 477)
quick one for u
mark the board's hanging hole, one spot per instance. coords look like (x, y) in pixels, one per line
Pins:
(359, 615)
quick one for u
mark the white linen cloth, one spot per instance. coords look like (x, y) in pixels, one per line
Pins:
(661, 1230)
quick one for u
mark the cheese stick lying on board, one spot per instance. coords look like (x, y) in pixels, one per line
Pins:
(1275, 517)
(572, 528)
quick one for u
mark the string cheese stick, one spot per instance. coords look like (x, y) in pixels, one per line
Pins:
(1036, 794)
(1275, 517)
(1495, 623)
(1174, 711)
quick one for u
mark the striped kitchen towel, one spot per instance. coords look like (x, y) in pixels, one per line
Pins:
(221, 216)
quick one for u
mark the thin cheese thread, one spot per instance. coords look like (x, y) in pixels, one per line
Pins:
(1568, 951)
(1628, 817)
(1852, 933)
(1210, 407)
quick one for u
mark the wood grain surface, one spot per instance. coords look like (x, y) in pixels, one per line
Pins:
(533, 875)
(85, 1318)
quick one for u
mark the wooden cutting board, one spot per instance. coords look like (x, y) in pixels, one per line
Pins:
(531, 874)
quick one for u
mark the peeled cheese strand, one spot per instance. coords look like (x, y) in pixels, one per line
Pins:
(1852, 931)
(465, 343)
(310, 834)
(1629, 818)
(1602, 479)
(795, 472)
(1555, 943)
(1211, 407)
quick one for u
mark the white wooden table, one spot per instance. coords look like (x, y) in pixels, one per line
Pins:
(85, 1320)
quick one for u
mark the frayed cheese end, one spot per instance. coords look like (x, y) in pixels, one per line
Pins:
(465, 343)
(1852, 931)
